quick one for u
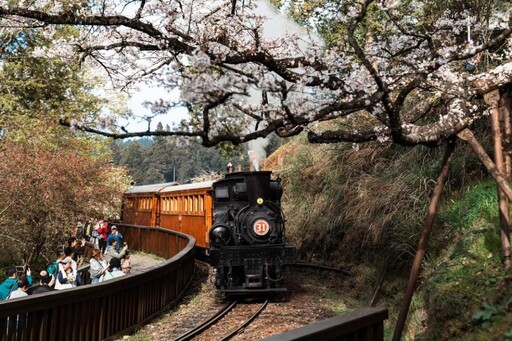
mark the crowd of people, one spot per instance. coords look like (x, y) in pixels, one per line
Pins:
(109, 259)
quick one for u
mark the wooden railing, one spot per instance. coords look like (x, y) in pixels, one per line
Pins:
(366, 324)
(109, 309)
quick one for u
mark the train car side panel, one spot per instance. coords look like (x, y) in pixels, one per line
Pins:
(187, 210)
(137, 209)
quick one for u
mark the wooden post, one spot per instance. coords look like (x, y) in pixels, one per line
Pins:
(422, 245)
(492, 98)
(507, 131)
(467, 135)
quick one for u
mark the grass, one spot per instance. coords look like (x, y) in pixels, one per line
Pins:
(149, 255)
(466, 293)
(364, 208)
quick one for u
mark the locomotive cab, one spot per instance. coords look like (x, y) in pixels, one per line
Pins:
(247, 237)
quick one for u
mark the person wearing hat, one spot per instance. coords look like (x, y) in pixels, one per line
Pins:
(68, 277)
(112, 251)
(115, 235)
(45, 284)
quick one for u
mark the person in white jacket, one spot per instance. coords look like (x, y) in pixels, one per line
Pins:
(67, 277)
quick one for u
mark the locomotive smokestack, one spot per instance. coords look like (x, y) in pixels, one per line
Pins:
(257, 187)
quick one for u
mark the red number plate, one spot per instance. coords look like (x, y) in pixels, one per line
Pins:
(261, 227)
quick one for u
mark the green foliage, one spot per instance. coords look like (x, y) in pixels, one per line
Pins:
(364, 206)
(166, 160)
(488, 313)
(478, 207)
(465, 289)
(50, 176)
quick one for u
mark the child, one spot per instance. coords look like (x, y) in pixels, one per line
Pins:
(126, 266)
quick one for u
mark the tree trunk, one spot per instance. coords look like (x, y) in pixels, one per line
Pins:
(425, 235)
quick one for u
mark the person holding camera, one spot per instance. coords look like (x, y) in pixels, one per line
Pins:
(112, 251)
(11, 283)
(46, 283)
(115, 235)
(102, 236)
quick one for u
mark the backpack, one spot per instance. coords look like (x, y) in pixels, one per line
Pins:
(52, 268)
(94, 233)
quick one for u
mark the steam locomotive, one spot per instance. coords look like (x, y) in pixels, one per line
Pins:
(237, 221)
(247, 239)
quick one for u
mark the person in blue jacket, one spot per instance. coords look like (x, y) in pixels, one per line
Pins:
(115, 235)
(11, 283)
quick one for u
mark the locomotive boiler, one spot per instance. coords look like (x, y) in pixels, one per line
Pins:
(247, 246)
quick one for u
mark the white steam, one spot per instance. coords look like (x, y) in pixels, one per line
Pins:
(257, 152)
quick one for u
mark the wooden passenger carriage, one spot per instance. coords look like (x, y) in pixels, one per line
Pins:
(183, 208)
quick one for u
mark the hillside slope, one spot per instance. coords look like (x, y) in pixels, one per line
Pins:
(362, 208)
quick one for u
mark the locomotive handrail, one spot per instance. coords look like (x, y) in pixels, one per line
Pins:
(108, 309)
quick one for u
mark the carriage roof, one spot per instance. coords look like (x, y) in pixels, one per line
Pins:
(168, 187)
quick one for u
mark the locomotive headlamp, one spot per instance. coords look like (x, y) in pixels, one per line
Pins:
(259, 201)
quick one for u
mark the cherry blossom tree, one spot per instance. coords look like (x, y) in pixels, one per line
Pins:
(404, 80)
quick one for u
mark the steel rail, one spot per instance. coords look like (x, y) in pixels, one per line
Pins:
(243, 325)
(321, 267)
(206, 324)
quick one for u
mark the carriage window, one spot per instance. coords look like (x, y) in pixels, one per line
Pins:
(201, 203)
(195, 203)
(184, 204)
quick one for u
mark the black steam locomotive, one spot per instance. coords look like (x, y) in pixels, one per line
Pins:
(247, 237)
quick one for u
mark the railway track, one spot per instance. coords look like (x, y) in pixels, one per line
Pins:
(321, 267)
(226, 319)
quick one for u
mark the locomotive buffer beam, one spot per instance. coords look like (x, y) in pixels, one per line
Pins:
(253, 260)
